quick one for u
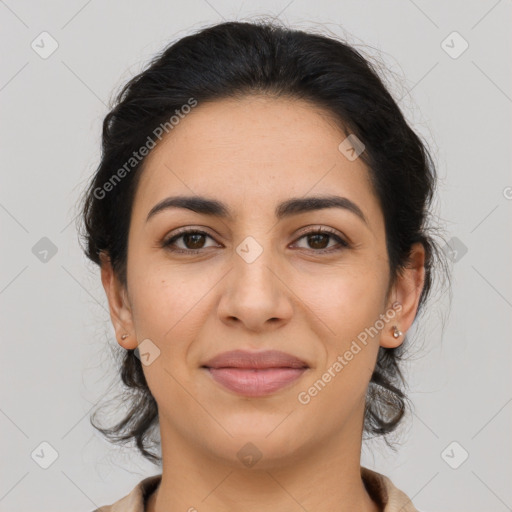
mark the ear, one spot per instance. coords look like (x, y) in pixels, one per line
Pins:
(406, 292)
(120, 311)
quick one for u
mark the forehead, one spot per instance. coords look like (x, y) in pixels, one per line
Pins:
(254, 152)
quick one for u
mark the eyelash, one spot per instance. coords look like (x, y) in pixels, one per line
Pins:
(166, 244)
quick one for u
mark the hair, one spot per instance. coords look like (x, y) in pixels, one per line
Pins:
(235, 60)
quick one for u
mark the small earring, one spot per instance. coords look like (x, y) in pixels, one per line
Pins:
(124, 336)
(396, 332)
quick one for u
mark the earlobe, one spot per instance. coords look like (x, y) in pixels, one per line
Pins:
(120, 312)
(407, 292)
(397, 332)
(392, 337)
(127, 342)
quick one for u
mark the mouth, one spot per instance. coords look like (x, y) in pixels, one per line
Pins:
(255, 382)
(255, 374)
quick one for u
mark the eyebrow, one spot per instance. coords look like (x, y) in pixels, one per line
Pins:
(293, 206)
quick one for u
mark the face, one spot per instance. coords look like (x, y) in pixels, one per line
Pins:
(306, 282)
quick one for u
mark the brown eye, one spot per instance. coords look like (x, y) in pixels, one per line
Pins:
(193, 240)
(318, 241)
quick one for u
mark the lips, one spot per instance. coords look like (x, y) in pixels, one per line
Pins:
(255, 360)
(255, 374)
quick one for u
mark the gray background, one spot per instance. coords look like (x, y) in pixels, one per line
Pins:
(56, 331)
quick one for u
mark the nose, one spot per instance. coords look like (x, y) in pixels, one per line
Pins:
(255, 294)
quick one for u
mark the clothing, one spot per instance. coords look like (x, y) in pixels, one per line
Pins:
(379, 487)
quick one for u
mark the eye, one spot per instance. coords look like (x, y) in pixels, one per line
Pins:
(318, 240)
(192, 238)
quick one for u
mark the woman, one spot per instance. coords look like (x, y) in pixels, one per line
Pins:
(260, 219)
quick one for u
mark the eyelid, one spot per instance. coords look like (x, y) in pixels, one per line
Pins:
(342, 240)
(184, 231)
(312, 228)
(302, 231)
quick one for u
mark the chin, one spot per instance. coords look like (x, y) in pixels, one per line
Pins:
(257, 445)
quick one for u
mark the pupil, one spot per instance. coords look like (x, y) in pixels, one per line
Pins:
(188, 236)
(322, 246)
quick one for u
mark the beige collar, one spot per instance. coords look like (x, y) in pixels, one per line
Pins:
(379, 487)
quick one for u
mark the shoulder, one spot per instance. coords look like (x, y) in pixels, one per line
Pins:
(136, 499)
(383, 491)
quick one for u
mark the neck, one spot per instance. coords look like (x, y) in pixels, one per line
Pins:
(324, 478)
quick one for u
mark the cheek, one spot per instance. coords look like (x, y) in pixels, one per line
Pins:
(347, 303)
(168, 304)
(168, 310)
(346, 300)
(347, 306)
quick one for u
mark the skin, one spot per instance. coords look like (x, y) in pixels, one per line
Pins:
(251, 154)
